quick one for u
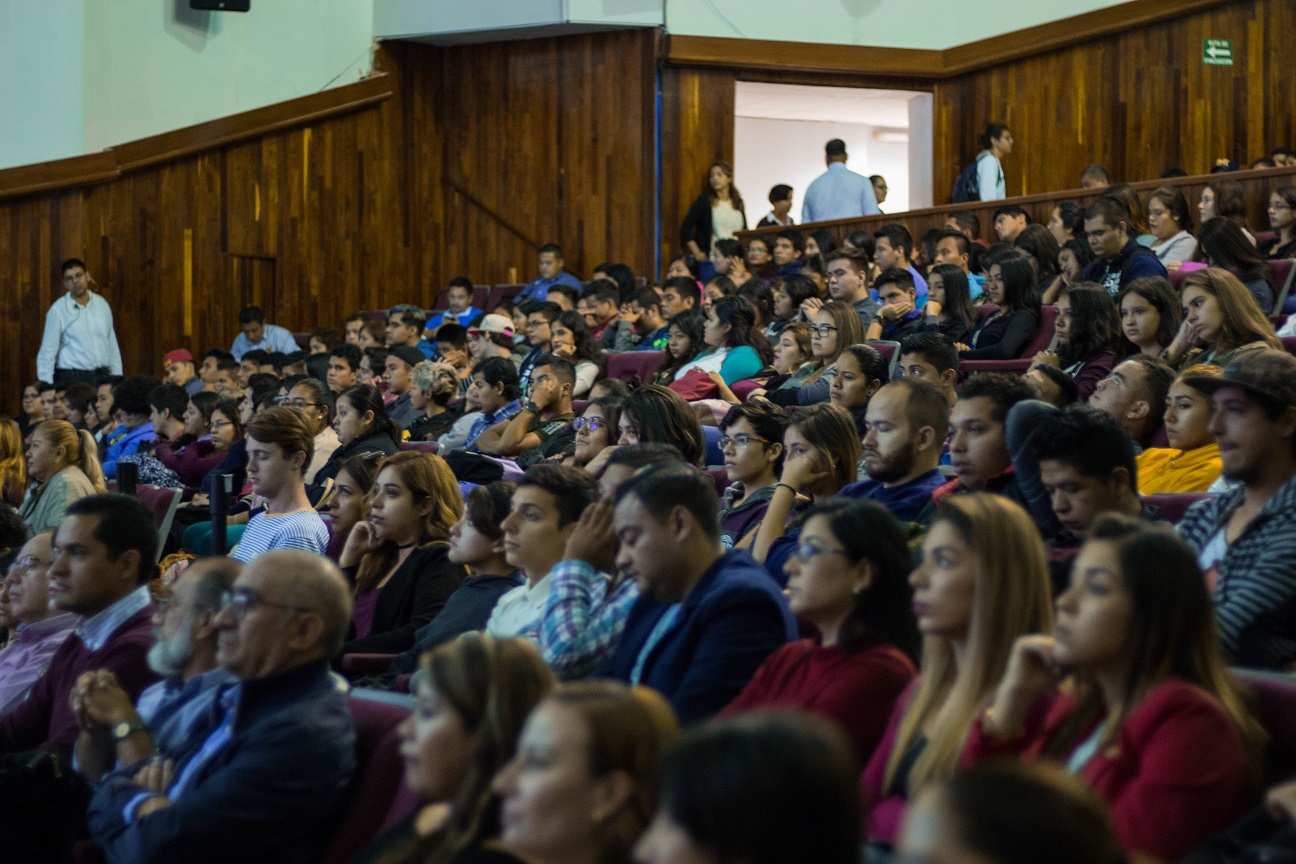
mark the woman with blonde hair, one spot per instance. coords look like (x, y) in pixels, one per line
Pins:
(397, 560)
(474, 695)
(13, 468)
(1153, 720)
(64, 465)
(581, 787)
(1221, 320)
(983, 582)
(834, 327)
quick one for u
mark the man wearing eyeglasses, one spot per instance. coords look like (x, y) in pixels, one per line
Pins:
(263, 778)
(41, 628)
(117, 733)
(102, 558)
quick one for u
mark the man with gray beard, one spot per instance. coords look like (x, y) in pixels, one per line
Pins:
(113, 732)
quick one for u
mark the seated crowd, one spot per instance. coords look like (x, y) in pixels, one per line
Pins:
(822, 573)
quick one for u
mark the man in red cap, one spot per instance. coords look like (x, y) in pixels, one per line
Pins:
(179, 366)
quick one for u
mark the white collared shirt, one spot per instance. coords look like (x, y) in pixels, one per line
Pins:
(98, 629)
(78, 337)
(518, 612)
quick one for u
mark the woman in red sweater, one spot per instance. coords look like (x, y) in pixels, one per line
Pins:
(1153, 722)
(848, 576)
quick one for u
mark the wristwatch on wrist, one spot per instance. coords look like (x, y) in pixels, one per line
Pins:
(124, 730)
(531, 407)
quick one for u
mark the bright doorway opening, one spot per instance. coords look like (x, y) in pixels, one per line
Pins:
(780, 131)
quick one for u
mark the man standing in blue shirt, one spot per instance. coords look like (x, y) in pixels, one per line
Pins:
(838, 193)
(259, 335)
(551, 274)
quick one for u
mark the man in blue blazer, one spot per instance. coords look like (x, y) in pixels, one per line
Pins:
(264, 781)
(705, 618)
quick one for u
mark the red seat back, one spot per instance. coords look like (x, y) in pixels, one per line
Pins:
(1044, 334)
(1275, 708)
(890, 352)
(1282, 273)
(419, 446)
(379, 770)
(162, 503)
(1289, 343)
(628, 364)
(720, 477)
(499, 294)
(1172, 507)
(1176, 280)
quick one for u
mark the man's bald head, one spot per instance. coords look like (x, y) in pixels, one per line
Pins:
(310, 582)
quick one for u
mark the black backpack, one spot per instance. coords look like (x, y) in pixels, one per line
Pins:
(967, 186)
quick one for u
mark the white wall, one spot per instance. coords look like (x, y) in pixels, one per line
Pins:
(934, 24)
(42, 73)
(156, 65)
(768, 152)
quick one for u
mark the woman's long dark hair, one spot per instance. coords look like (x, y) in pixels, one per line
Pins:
(825, 240)
(661, 416)
(365, 398)
(1223, 242)
(1040, 244)
(693, 323)
(883, 612)
(587, 347)
(958, 299)
(1021, 291)
(740, 315)
(734, 197)
(1095, 324)
(1158, 292)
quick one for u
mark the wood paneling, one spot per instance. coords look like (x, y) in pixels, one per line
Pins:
(1257, 185)
(448, 161)
(1139, 102)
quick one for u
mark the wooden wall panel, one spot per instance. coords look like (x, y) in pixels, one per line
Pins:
(697, 129)
(1139, 102)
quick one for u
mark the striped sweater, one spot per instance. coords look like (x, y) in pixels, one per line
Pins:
(1255, 593)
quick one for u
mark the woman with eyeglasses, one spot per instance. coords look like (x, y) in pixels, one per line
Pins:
(397, 559)
(193, 456)
(833, 327)
(311, 397)
(596, 434)
(848, 577)
(752, 445)
(1282, 219)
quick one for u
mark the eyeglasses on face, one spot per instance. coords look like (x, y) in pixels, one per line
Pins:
(593, 424)
(241, 601)
(740, 441)
(822, 329)
(295, 403)
(805, 551)
(219, 424)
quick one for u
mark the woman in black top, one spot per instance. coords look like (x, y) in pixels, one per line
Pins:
(949, 305)
(1221, 243)
(718, 194)
(396, 560)
(363, 427)
(1004, 334)
(1282, 219)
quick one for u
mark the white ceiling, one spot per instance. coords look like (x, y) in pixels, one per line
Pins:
(835, 104)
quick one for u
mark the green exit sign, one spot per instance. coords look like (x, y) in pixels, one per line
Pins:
(1217, 52)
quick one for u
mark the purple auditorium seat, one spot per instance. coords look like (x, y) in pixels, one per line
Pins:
(1173, 506)
(629, 364)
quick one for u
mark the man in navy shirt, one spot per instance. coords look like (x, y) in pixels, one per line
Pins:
(1118, 259)
(907, 422)
(705, 619)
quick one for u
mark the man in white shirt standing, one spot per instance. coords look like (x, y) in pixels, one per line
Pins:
(80, 343)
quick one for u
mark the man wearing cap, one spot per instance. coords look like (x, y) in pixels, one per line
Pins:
(838, 193)
(401, 361)
(492, 336)
(179, 367)
(1246, 537)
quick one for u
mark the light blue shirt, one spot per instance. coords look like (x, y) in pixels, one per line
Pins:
(274, 338)
(98, 629)
(663, 626)
(838, 193)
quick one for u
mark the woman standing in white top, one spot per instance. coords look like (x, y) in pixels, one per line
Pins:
(1169, 220)
(997, 142)
(717, 214)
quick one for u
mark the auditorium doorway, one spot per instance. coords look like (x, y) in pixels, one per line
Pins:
(780, 131)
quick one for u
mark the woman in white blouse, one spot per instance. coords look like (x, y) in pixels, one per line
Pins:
(1169, 220)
